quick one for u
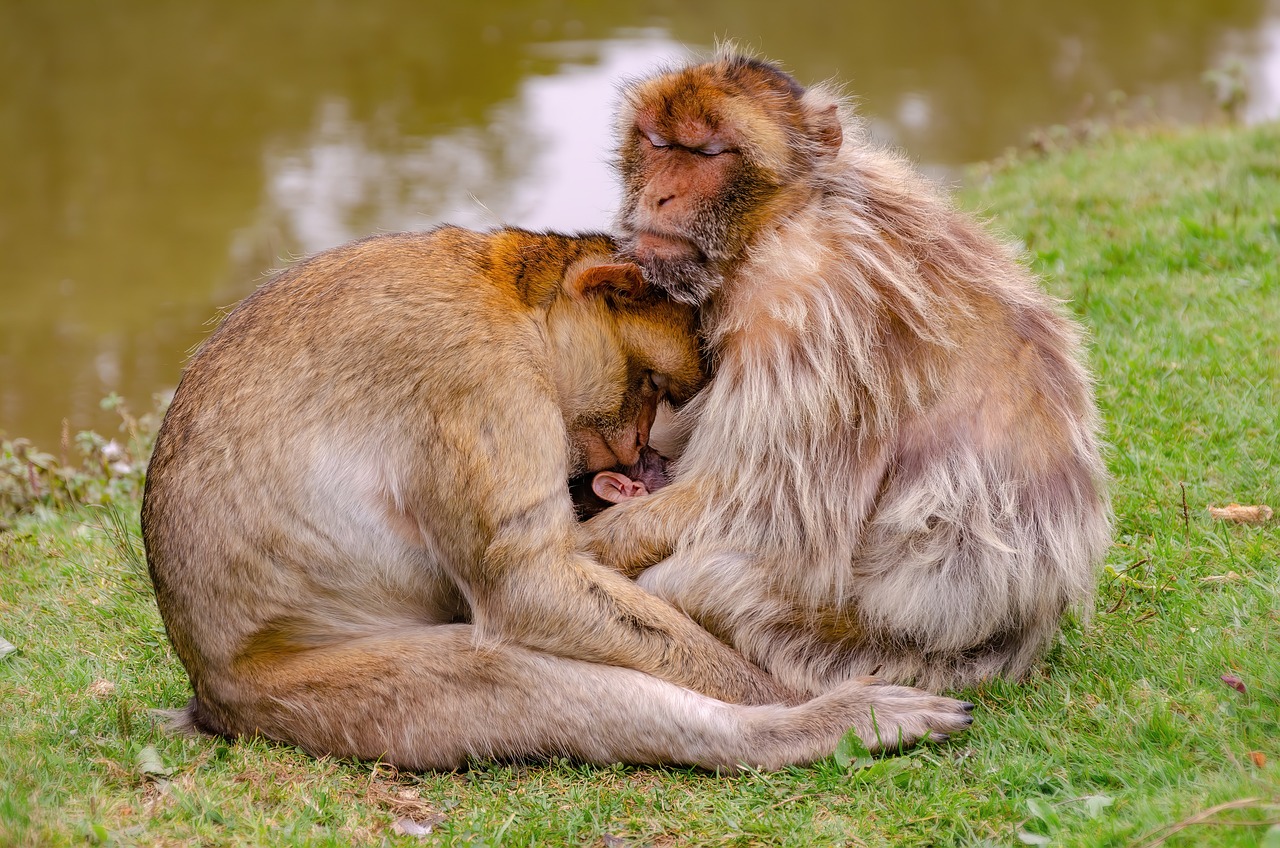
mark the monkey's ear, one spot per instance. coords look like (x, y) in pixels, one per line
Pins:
(827, 130)
(616, 488)
(622, 277)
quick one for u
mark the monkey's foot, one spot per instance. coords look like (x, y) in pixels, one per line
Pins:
(889, 718)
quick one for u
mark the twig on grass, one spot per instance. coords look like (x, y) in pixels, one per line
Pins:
(1124, 590)
(1186, 513)
(1200, 818)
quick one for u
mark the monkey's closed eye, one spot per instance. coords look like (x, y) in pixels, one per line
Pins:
(657, 140)
(714, 149)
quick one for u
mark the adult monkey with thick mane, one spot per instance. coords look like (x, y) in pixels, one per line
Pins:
(361, 540)
(895, 467)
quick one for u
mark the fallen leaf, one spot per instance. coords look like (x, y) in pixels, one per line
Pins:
(1241, 514)
(6, 647)
(1095, 804)
(1229, 577)
(149, 763)
(1033, 838)
(422, 830)
(852, 753)
(1234, 682)
(611, 841)
(101, 688)
(1259, 758)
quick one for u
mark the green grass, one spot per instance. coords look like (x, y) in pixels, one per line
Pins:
(1167, 245)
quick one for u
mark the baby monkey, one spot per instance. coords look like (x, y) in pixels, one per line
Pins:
(595, 492)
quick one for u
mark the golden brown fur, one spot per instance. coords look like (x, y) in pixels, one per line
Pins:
(895, 468)
(362, 543)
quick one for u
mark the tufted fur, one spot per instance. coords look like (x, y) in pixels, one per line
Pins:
(895, 468)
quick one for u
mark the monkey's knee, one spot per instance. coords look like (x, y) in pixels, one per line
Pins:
(700, 587)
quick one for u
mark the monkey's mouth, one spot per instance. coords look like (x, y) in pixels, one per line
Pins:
(648, 245)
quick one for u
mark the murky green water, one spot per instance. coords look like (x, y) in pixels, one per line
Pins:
(157, 159)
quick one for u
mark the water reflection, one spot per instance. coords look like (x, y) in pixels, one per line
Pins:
(1263, 89)
(541, 160)
(156, 160)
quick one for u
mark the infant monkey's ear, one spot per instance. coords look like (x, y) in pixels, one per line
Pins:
(592, 494)
(616, 488)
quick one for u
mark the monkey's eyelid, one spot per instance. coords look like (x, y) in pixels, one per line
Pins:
(657, 140)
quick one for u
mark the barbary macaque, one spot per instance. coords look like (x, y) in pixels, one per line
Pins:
(358, 527)
(894, 469)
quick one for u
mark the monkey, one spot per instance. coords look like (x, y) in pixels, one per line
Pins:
(895, 467)
(361, 540)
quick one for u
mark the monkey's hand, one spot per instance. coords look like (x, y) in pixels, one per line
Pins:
(641, 532)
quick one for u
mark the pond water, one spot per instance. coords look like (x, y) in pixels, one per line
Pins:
(156, 160)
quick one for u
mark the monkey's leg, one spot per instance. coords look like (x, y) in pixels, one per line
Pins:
(809, 647)
(732, 595)
(432, 697)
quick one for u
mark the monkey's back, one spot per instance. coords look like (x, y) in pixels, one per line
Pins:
(364, 378)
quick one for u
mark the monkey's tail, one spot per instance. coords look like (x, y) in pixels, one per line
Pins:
(185, 721)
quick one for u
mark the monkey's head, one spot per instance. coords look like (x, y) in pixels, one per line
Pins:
(709, 154)
(620, 349)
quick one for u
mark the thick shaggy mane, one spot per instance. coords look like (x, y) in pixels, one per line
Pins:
(851, 349)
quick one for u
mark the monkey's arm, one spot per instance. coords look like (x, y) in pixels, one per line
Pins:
(528, 584)
(533, 588)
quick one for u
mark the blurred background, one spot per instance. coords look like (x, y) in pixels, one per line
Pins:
(158, 159)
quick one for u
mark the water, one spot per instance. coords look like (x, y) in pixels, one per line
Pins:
(155, 163)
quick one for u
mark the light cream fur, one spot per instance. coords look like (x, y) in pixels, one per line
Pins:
(895, 468)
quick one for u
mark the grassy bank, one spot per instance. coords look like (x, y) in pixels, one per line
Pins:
(1159, 719)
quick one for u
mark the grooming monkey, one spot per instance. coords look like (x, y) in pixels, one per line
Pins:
(895, 466)
(361, 540)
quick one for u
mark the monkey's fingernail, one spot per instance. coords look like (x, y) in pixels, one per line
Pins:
(966, 706)
(968, 720)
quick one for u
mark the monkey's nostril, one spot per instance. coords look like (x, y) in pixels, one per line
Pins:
(662, 201)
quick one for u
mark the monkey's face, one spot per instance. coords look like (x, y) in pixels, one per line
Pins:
(707, 156)
(617, 434)
(619, 351)
(651, 357)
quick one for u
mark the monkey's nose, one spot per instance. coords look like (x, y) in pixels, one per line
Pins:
(628, 452)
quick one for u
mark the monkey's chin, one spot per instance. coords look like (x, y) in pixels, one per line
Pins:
(683, 278)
